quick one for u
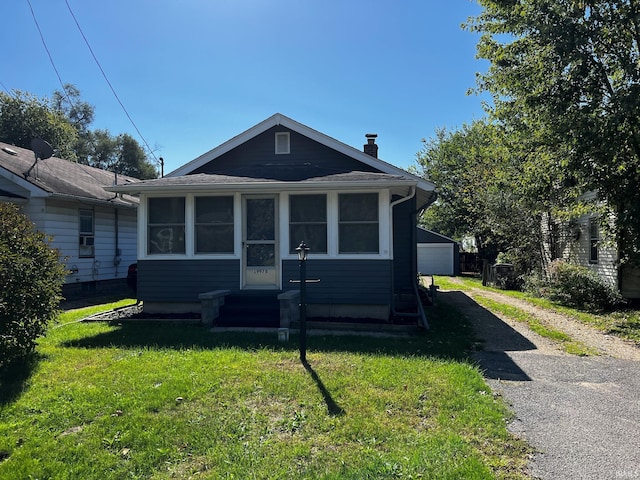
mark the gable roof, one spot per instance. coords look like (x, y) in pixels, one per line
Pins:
(385, 173)
(429, 236)
(56, 177)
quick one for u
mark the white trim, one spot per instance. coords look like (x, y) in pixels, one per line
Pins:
(384, 227)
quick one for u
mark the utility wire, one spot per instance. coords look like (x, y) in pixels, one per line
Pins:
(108, 82)
(55, 69)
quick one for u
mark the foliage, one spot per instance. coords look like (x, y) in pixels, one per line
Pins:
(575, 286)
(24, 116)
(31, 277)
(64, 122)
(481, 187)
(565, 76)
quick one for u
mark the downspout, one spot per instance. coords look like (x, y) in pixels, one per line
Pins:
(420, 313)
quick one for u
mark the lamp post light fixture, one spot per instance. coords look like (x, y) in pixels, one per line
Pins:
(303, 251)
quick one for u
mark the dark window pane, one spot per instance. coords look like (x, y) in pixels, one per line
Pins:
(308, 208)
(166, 210)
(358, 207)
(214, 209)
(359, 238)
(261, 255)
(314, 235)
(214, 239)
(166, 239)
(260, 219)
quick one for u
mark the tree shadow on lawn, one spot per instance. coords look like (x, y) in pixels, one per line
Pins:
(14, 377)
(494, 338)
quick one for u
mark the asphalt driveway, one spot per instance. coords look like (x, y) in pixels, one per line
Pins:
(581, 414)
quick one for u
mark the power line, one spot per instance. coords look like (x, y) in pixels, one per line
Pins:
(108, 82)
(46, 48)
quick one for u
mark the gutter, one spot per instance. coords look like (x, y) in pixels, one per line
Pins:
(420, 313)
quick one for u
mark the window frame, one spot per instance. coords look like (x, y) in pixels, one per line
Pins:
(287, 143)
(87, 238)
(149, 225)
(594, 240)
(356, 222)
(292, 223)
(196, 224)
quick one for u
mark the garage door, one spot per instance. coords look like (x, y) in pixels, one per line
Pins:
(435, 259)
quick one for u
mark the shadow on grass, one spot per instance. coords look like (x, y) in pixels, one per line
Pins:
(333, 408)
(450, 337)
(495, 337)
(14, 377)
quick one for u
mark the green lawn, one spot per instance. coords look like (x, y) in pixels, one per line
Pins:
(174, 401)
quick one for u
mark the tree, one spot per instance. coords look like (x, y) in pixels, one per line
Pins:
(31, 277)
(477, 179)
(24, 116)
(565, 76)
(64, 122)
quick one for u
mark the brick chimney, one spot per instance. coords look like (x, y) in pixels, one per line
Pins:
(370, 148)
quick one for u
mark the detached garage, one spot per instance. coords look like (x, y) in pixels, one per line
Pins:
(437, 254)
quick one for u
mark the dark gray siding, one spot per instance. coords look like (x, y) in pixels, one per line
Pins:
(183, 280)
(257, 157)
(404, 246)
(356, 282)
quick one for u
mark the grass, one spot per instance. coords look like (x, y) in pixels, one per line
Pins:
(624, 322)
(163, 401)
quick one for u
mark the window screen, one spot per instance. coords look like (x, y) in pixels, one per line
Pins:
(358, 223)
(214, 225)
(308, 222)
(166, 229)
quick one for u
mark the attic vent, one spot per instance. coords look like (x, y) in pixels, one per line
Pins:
(282, 143)
(9, 151)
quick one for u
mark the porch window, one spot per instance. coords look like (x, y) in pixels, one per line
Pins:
(594, 239)
(87, 233)
(214, 225)
(308, 222)
(166, 225)
(358, 223)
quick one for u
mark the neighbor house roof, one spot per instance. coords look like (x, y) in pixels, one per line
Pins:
(303, 176)
(56, 177)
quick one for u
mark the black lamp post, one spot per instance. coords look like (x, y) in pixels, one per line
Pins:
(303, 250)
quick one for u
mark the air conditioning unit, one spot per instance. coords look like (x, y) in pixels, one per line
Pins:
(87, 241)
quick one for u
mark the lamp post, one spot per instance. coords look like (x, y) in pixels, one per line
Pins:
(303, 250)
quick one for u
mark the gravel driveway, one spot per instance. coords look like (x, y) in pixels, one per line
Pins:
(581, 414)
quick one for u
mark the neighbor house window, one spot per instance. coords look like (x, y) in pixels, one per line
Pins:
(87, 231)
(165, 229)
(308, 222)
(214, 225)
(358, 223)
(282, 143)
(594, 239)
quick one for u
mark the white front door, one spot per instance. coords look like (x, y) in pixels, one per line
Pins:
(260, 241)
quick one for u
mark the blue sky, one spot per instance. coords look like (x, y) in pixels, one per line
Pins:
(195, 73)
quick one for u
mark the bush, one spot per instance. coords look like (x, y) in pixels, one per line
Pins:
(31, 277)
(574, 286)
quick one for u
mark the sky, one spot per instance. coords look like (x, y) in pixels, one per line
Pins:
(193, 74)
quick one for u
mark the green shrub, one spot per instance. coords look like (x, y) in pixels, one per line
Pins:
(31, 277)
(574, 286)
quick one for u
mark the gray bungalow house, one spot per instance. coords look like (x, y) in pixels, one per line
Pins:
(232, 218)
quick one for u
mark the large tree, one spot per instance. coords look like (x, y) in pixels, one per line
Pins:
(64, 122)
(565, 76)
(24, 116)
(482, 193)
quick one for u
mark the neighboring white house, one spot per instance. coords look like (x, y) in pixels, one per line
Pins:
(581, 242)
(94, 230)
